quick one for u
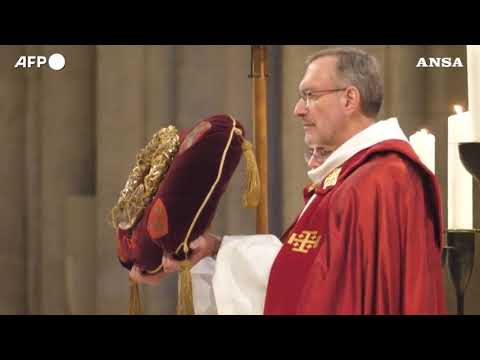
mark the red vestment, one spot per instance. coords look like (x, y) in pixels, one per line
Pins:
(368, 244)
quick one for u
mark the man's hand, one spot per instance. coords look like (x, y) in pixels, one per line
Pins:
(168, 266)
(203, 246)
(151, 279)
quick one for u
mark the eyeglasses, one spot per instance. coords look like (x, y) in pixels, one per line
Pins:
(312, 153)
(317, 154)
(309, 96)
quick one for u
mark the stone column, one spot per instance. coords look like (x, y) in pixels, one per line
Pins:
(201, 79)
(274, 142)
(160, 88)
(67, 159)
(33, 187)
(80, 255)
(405, 86)
(201, 72)
(120, 135)
(12, 190)
(238, 103)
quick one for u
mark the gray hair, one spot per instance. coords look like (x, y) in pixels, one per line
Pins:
(357, 68)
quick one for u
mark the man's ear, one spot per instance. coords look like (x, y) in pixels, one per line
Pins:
(352, 99)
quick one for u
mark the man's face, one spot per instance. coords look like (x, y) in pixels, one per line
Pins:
(323, 117)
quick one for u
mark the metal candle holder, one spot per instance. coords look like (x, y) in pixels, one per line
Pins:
(460, 253)
(460, 250)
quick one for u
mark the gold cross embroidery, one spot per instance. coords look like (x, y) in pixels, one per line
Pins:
(331, 179)
(304, 242)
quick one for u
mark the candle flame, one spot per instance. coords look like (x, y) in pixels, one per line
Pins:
(458, 109)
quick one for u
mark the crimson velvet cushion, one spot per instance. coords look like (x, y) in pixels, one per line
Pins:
(186, 200)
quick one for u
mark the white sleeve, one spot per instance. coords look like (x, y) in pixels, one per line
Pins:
(202, 290)
(241, 273)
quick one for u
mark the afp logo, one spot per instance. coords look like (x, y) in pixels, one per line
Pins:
(55, 61)
(439, 62)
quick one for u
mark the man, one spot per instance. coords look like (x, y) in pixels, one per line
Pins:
(369, 239)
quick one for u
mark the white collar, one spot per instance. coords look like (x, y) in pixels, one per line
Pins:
(375, 133)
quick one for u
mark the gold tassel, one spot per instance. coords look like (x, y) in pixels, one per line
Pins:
(185, 295)
(134, 307)
(251, 197)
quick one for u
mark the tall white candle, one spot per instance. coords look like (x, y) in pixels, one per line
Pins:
(473, 71)
(460, 193)
(423, 143)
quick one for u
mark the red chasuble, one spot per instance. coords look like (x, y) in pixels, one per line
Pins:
(369, 243)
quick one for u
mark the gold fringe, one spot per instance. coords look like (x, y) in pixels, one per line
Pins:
(251, 196)
(185, 295)
(134, 307)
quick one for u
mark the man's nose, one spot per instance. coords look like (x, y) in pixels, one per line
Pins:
(300, 108)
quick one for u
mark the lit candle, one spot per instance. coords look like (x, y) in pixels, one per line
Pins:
(460, 195)
(423, 142)
(473, 73)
